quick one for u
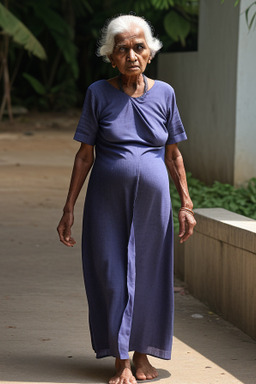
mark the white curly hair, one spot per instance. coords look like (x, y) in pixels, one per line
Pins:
(122, 24)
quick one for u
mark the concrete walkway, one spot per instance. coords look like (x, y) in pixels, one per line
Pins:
(44, 330)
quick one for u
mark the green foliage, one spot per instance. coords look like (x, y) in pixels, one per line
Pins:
(81, 7)
(69, 31)
(180, 21)
(163, 4)
(36, 85)
(235, 3)
(57, 97)
(241, 200)
(20, 33)
(177, 27)
(53, 83)
(250, 19)
(59, 30)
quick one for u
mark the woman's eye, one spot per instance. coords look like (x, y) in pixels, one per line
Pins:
(140, 47)
(122, 49)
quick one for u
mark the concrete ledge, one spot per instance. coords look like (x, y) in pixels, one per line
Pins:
(220, 265)
(228, 227)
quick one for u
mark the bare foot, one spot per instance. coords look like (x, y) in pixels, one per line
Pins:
(123, 373)
(144, 370)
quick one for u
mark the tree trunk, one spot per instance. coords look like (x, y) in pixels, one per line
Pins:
(7, 85)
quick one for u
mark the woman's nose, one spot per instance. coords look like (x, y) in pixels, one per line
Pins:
(131, 55)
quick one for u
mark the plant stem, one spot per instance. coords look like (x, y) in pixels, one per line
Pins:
(7, 85)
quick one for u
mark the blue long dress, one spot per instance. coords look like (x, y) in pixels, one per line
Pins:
(127, 244)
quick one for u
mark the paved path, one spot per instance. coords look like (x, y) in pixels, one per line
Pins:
(44, 332)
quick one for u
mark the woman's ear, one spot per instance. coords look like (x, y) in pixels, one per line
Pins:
(112, 61)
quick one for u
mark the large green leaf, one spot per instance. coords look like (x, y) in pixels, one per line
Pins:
(20, 33)
(253, 17)
(176, 26)
(35, 84)
(162, 4)
(191, 7)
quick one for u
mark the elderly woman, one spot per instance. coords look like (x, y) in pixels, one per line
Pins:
(127, 246)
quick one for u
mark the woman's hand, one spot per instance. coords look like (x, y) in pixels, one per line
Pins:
(187, 223)
(83, 162)
(64, 229)
(175, 166)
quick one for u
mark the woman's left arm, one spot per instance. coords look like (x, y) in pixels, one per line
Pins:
(175, 166)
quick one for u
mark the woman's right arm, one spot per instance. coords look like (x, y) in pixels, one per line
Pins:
(83, 162)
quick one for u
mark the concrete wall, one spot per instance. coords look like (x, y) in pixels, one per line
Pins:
(245, 141)
(220, 265)
(211, 85)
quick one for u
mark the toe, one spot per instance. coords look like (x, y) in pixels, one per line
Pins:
(114, 380)
(141, 376)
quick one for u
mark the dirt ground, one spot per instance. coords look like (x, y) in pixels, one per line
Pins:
(44, 332)
(36, 157)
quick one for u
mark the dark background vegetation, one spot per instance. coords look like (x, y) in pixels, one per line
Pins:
(68, 31)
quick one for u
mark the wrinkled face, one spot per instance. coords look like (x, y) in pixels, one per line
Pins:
(131, 53)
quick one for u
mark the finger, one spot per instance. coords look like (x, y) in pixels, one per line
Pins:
(189, 229)
(182, 228)
(186, 236)
(70, 243)
(65, 231)
(61, 232)
(65, 236)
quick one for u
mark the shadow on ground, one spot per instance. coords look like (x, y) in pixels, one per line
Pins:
(61, 369)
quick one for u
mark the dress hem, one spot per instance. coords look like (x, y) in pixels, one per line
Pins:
(152, 351)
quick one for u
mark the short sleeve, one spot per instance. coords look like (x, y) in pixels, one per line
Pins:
(175, 127)
(87, 127)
